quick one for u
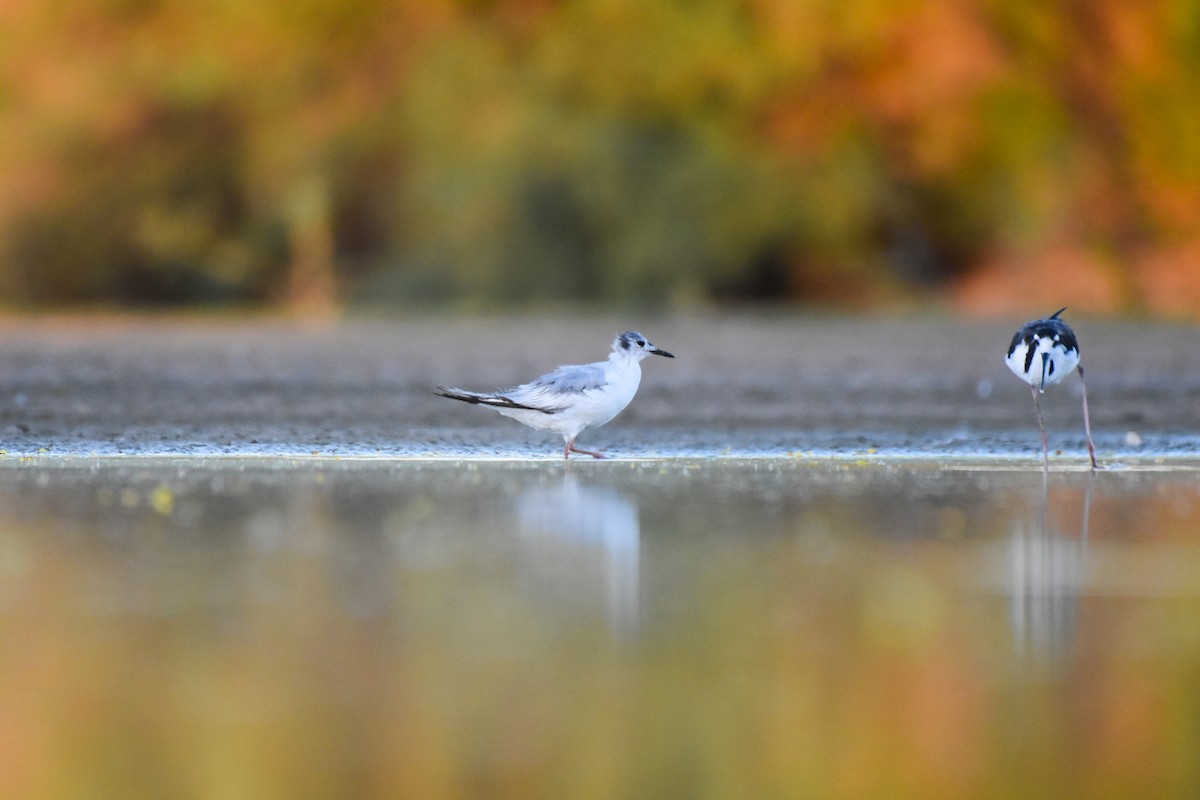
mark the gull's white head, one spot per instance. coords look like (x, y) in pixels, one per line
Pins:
(632, 344)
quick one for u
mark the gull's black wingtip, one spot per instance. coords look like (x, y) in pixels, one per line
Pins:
(1056, 313)
(454, 394)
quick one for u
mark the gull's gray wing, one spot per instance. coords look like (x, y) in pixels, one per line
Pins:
(555, 390)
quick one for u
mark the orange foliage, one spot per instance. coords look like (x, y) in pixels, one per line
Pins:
(1040, 279)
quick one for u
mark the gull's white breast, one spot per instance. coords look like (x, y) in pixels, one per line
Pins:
(588, 407)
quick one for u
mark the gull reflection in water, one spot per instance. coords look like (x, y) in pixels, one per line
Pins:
(586, 546)
(1045, 580)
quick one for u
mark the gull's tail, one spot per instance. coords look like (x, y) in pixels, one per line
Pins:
(476, 398)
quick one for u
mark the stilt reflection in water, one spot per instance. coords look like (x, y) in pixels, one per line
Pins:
(587, 542)
(1047, 573)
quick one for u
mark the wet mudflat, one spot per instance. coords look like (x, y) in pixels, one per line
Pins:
(684, 627)
(762, 386)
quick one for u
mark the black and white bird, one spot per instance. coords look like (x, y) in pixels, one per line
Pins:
(1042, 353)
(575, 397)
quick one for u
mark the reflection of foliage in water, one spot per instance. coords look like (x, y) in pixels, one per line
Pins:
(805, 628)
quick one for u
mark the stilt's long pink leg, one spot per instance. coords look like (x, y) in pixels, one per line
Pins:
(1087, 425)
(1037, 404)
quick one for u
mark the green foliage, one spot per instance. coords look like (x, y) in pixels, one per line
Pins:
(152, 215)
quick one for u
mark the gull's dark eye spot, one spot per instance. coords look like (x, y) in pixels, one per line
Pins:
(641, 342)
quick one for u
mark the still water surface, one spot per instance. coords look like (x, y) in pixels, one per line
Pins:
(772, 628)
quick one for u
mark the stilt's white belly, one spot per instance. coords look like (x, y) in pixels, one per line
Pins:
(1060, 364)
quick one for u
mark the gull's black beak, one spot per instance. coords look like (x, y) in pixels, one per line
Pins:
(656, 352)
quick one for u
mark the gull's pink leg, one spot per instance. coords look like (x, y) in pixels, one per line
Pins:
(1087, 425)
(1037, 404)
(571, 448)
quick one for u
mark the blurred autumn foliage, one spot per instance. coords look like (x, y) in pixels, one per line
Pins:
(312, 153)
